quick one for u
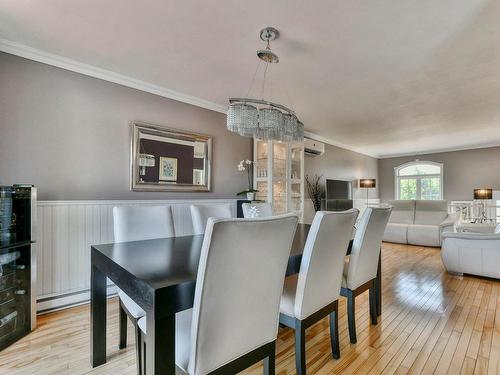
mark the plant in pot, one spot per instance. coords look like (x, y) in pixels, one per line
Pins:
(314, 190)
(247, 166)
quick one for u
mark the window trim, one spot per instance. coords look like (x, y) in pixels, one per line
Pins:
(397, 177)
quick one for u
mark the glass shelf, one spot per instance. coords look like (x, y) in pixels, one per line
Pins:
(279, 175)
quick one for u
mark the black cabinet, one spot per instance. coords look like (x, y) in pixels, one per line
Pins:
(17, 263)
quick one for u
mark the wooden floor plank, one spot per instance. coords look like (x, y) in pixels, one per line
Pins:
(432, 322)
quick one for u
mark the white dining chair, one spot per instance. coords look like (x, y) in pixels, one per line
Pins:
(134, 223)
(313, 293)
(201, 212)
(257, 209)
(234, 320)
(360, 267)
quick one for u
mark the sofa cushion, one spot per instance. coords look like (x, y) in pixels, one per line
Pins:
(395, 232)
(403, 212)
(424, 235)
(430, 212)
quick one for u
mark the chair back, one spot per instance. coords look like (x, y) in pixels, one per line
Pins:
(134, 223)
(238, 288)
(260, 209)
(201, 212)
(363, 261)
(320, 275)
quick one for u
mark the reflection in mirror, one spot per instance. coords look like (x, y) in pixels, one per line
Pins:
(166, 159)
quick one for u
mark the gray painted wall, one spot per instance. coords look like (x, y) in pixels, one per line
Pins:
(463, 171)
(341, 164)
(69, 134)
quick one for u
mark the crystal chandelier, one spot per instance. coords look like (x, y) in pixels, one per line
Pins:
(260, 118)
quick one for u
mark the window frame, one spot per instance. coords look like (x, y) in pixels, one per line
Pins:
(418, 177)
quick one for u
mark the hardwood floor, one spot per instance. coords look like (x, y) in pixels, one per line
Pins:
(432, 322)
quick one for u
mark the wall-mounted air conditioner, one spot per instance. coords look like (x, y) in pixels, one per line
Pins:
(313, 147)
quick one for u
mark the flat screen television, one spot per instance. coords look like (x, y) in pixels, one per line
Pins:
(338, 195)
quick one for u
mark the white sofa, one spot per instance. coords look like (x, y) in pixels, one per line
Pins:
(419, 222)
(472, 253)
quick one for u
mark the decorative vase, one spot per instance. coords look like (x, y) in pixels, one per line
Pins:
(251, 196)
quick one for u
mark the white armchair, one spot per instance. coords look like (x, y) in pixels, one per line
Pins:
(472, 253)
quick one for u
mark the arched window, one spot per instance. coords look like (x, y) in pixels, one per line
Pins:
(419, 180)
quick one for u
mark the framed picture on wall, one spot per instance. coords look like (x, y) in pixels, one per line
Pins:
(168, 169)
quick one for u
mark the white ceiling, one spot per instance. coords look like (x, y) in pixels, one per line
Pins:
(386, 77)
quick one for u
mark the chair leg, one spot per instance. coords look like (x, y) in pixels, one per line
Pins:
(122, 318)
(139, 350)
(142, 344)
(300, 348)
(334, 333)
(351, 319)
(373, 305)
(269, 362)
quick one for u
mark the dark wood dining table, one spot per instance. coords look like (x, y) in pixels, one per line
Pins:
(160, 276)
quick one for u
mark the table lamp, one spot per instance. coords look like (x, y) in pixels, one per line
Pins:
(482, 195)
(367, 183)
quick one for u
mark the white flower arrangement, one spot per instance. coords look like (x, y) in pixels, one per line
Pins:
(247, 165)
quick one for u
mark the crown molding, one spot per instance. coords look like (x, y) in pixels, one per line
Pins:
(338, 144)
(34, 54)
(442, 150)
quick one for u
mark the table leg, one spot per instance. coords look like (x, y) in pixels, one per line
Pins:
(160, 345)
(379, 285)
(97, 317)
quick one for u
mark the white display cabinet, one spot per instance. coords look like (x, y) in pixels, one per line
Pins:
(279, 175)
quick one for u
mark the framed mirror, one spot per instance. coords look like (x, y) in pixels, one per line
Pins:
(165, 159)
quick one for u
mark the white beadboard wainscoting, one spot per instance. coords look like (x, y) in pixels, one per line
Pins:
(65, 232)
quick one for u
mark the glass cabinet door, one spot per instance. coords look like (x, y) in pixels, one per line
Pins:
(262, 193)
(295, 197)
(296, 162)
(261, 160)
(279, 197)
(279, 160)
(278, 177)
(295, 178)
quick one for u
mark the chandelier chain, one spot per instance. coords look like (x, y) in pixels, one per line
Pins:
(253, 79)
(264, 82)
(260, 118)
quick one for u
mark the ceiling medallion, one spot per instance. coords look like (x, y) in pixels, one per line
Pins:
(261, 118)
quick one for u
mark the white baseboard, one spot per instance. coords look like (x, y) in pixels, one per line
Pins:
(64, 301)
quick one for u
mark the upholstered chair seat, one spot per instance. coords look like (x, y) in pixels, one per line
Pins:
(287, 303)
(134, 223)
(226, 331)
(345, 271)
(133, 308)
(313, 293)
(182, 337)
(360, 267)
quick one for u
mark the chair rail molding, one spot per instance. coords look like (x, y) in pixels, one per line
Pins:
(67, 229)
